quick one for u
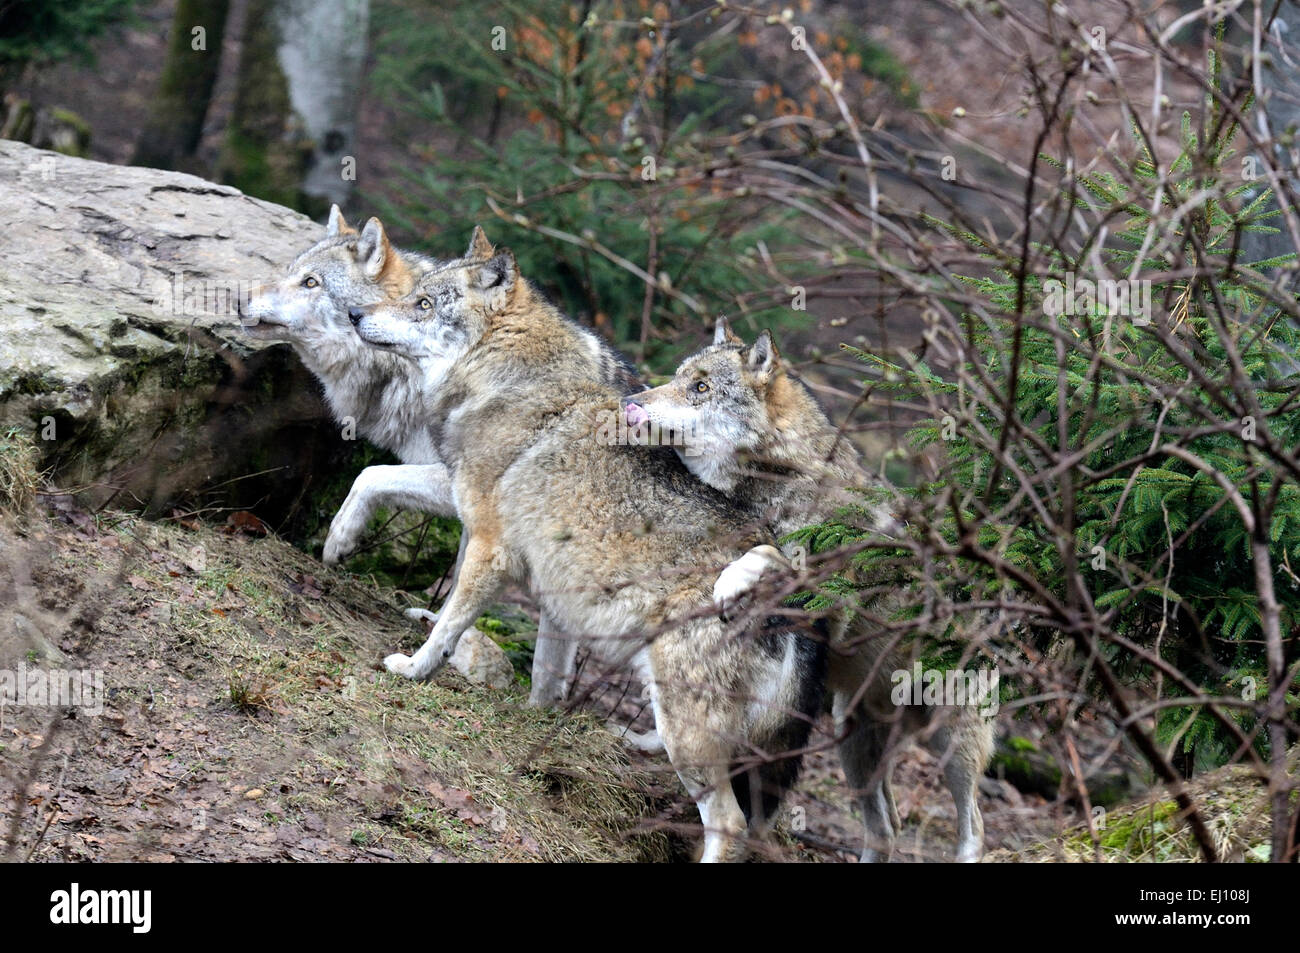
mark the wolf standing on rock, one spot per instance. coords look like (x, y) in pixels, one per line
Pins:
(619, 545)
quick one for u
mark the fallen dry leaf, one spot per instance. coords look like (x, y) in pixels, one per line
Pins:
(245, 522)
(308, 586)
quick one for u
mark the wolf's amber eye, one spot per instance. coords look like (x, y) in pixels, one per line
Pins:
(310, 282)
(701, 387)
(425, 304)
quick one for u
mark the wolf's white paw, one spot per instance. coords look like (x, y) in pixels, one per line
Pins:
(969, 852)
(421, 666)
(339, 543)
(349, 523)
(733, 584)
(399, 664)
(740, 577)
(647, 742)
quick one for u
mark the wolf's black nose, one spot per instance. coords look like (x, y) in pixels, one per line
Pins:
(355, 315)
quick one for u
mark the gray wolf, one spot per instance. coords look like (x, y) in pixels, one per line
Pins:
(745, 425)
(380, 393)
(619, 544)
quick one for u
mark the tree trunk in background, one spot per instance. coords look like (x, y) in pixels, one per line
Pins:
(294, 119)
(265, 151)
(322, 53)
(172, 131)
(1282, 105)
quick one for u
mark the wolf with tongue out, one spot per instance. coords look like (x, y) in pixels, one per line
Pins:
(746, 426)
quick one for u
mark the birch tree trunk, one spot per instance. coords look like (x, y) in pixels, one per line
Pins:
(292, 135)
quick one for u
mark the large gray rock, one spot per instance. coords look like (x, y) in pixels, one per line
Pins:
(119, 344)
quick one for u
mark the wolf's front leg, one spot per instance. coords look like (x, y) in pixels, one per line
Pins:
(740, 578)
(864, 756)
(422, 487)
(720, 813)
(482, 574)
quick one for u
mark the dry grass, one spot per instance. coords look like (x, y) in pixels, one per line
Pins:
(20, 474)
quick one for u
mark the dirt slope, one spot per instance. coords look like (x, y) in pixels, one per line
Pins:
(244, 718)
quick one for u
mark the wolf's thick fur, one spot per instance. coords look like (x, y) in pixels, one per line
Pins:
(382, 394)
(755, 432)
(308, 308)
(620, 545)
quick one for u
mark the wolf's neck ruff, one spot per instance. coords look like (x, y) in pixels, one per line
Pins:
(381, 393)
(801, 465)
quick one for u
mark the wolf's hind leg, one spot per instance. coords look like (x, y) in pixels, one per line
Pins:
(720, 813)
(863, 756)
(554, 661)
(963, 749)
(481, 576)
(700, 723)
(425, 488)
(894, 820)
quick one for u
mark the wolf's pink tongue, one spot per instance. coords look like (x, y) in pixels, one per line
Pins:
(636, 415)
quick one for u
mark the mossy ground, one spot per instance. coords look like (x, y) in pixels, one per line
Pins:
(1233, 802)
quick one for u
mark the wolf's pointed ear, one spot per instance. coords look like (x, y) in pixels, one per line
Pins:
(479, 246)
(722, 333)
(337, 224)
(763, 358)
(499, 273)
(373, 249)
